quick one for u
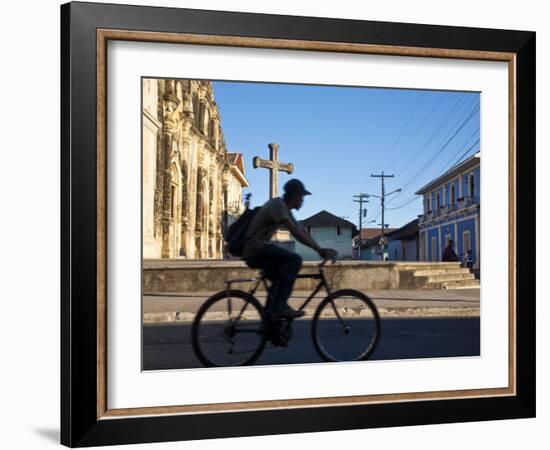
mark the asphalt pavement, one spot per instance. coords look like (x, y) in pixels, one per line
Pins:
(168, 346)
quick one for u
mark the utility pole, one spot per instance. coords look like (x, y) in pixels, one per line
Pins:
(361, 198)
(382, 198)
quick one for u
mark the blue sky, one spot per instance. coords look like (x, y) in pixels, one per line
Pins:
(338, 136)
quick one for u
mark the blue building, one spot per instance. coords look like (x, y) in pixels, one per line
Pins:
(371, 250)
(451, 211)
(403, 242)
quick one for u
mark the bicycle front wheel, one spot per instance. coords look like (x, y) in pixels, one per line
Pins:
(346, 326)
(229, 330)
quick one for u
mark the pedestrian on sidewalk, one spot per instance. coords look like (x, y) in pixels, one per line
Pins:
(449, 252)
(280, 265)
(470, 259)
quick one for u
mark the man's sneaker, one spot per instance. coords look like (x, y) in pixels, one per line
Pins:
(289, 313)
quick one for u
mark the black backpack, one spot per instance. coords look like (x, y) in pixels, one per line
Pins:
(235, 236)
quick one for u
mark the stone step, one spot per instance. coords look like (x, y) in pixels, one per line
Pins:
(450, 277)
(458, 284)
(433, 272)
(428, 266)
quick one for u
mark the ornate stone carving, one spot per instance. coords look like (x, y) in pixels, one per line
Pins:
(184, 194)
(201, 213)
(200, 208)
(211, 207)
(159, 185)
(171, 118)
(196, 109)
(198, 246)
(191, 141)
(187, 107)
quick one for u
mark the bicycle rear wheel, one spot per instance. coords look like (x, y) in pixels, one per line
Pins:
(346, 326)
(229, 330)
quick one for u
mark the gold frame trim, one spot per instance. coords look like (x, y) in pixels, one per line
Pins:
(103, 35)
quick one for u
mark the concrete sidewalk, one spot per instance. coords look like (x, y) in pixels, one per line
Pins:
(161, 307)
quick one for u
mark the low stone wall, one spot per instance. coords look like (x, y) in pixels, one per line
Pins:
(179, 275)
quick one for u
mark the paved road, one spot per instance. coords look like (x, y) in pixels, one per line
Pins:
(169, 346)
(181, 307)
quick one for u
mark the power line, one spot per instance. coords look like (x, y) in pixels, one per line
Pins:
(440, 150)
(459, 103)
(406, 202)
(404, 205)
(457, 161)
(450, 133)
(455, 108)
(361, 198)
(426, 166)
(414, 197)
(382, 198)
(404, 128)
(451, 136)
(418, 129)
(448, 166)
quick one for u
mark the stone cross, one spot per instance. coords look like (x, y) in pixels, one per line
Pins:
(274, 167)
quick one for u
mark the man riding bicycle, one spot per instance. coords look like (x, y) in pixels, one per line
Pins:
(280, 265)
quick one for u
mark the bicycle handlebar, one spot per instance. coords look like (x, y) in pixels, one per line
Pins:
(324, 261)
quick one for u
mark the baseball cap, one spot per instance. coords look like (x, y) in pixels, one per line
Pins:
(295, 186)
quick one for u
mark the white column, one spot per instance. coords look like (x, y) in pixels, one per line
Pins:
(456, 239)
(426, 246)
(438, 246)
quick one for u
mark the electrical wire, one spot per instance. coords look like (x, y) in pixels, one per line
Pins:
(417, 130)
(443, 124)
(404, 128)
(440, 150)
(410, 199)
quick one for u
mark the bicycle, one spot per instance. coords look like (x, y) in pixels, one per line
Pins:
(232, 327)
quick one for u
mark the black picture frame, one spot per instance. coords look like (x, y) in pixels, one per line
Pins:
(81, 423)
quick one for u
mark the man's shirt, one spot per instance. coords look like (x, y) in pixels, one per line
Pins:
(264, 224)
(449, 254)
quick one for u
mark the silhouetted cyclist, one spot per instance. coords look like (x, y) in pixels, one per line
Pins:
(280, 265)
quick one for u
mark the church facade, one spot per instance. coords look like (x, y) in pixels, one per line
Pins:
(192, 186)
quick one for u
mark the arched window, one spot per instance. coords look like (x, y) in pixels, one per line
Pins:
(196, 108)
(202, 116)
(471, 185)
